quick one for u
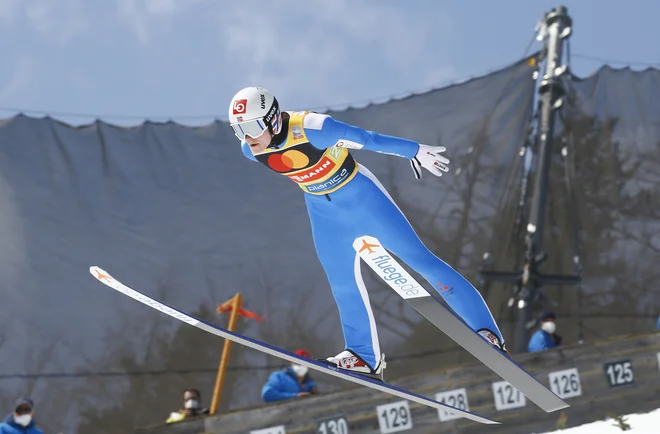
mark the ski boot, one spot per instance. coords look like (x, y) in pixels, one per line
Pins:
(347, 360)
(494, 341)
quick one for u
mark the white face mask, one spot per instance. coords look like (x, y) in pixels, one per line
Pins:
(300, 370)
(549, 326)
(23, 419)
(191, 403)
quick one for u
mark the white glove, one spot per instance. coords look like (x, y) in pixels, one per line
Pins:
(429, 158)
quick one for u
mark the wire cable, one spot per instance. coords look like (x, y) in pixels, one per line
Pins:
(184, 371)
(215, 116)
(614, 61)
(87, 374)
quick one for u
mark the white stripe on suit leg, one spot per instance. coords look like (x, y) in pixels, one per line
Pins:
(367, 305)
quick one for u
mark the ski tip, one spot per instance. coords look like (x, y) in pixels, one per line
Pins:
(99, 273)
(558, 407)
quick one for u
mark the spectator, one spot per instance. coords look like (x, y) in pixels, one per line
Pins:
(192, 407)
(545, 338)
(21, 421)
(291, 382)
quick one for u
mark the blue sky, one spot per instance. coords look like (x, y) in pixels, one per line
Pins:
(184, 59)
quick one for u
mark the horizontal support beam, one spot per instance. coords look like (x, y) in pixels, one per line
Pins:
(540, 279)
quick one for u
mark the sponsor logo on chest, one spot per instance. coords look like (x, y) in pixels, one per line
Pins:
(335, 153)
(348, 144)
(317, 171)
(296, 132)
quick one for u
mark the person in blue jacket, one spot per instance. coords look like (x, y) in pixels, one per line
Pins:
(291, 382)
(545, 337)
(345, 201)
(21, 420)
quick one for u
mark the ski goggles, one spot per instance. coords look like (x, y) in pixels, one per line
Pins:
(253, 128)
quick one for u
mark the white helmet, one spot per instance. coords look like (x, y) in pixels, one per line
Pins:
(252, 111)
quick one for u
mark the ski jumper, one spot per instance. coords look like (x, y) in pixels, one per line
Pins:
(344, 201)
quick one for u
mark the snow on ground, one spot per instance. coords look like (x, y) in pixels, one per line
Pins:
(645, 423)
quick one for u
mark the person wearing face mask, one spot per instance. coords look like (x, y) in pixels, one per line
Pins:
(191, 406)
(545, 338)
(291, 382)
(21, 421)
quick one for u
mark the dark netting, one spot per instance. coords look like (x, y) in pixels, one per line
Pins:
(600, 209)
(180, 214)
(611, 127)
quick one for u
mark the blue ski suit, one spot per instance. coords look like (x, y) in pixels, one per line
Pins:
(9, 426)
(284, 384)
(540, 341)
(345, 201)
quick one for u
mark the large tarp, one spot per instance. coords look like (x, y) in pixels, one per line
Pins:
(179, 213)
